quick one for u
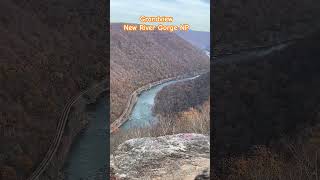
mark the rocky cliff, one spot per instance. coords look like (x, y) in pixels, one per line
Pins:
(180, 156)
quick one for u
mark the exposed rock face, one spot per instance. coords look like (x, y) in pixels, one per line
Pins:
(180, 156)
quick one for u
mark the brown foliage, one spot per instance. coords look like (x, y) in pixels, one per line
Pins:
(189, 121)
(264, 164)
(262, 102)
(8, 173)
(181, 96)
(50, 51)
(249, 23)
(257, 102)
(139, 58)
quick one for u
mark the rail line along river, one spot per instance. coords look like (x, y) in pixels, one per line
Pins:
(87, 159)
(88, 155)
(141, 115)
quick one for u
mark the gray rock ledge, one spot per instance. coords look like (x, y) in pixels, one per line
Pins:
(180, 156)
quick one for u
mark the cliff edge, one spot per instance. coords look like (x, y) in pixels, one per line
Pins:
(180, 156)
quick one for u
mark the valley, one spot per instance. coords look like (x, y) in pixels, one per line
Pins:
(83, 162)
(142, 65)
(148, 57)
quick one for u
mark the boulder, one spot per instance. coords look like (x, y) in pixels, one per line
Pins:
(180, 156)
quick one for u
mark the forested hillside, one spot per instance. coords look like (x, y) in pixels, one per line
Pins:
(181, 96)
(138, 58)
(270, 101)
(184, 107)
(49, 52)
(250, 23)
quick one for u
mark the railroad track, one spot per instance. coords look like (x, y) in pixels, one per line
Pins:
(60, 130)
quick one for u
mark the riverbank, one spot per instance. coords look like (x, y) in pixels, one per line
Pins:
(134, 96)
(87, 158)
(177, 98)
(72, 123)
(79, 122)
(142, 121)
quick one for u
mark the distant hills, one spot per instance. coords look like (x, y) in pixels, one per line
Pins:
(138, 58)
(199, 39)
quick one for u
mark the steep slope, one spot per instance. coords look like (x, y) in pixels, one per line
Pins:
(250, 23)
(181, 96)
(262, 100)
(138, 58)
(49, 52)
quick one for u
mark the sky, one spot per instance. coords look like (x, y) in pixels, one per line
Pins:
(196, 13)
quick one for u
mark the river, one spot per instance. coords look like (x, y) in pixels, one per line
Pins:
(88, 154)
(141, 115)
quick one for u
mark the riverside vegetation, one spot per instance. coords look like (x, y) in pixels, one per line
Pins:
(190, 115)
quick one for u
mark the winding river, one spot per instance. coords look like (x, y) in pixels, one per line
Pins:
(141, 115)
(88, 154)
(87, 157)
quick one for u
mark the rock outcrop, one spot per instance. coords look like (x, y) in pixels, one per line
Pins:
(180, 156)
